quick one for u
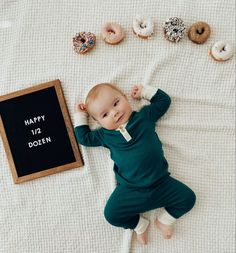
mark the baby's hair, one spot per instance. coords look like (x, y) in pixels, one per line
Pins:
(93, 93)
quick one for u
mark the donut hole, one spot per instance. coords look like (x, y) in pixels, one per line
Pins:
(223, 49)
(142, 25)
(200, 31)
(110, 31)
(82, 40)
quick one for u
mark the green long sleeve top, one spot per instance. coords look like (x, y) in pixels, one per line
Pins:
(139, 162)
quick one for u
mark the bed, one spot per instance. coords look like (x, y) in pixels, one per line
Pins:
(63, 213)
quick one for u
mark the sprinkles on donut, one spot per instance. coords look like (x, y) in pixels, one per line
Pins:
(143, 28)
(83, 42)
(174, 29)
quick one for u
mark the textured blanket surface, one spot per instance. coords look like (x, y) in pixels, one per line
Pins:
(63, 213)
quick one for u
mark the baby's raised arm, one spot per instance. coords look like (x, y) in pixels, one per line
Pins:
(160, 101)
(83, 133)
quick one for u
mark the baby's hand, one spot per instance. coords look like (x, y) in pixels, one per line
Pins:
(136, 91)
(80, 107)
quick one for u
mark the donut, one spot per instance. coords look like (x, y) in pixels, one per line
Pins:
(112, 33)
(199, 32)
(174, 29)
(143, 28)
(83, 42)
(222, 51)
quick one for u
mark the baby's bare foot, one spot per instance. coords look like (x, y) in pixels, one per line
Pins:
(166, 230)
(142, 238)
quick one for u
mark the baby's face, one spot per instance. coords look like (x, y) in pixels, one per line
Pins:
(110, 108)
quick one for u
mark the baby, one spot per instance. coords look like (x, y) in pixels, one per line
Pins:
(141, 170)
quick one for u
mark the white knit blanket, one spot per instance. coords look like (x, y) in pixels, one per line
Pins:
(63, 213)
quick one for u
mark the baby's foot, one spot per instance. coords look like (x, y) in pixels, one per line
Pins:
(167, 230)
(142, 238)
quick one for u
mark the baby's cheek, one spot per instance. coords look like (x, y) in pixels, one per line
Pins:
(106, 123)
(111, 125)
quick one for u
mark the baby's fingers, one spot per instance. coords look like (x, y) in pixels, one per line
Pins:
(135, 94)
(80, 107)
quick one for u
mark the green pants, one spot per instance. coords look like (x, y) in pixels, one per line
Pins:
(126, 203)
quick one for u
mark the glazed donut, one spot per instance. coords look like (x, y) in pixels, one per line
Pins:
(199, 32)
(112, 33)
(143, 28)
(174, 29)
(222, 51)
(83, 42)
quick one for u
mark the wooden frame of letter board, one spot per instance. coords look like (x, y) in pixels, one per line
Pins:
(61, 99)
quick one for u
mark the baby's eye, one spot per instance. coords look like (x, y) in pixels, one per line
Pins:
(116, 103)
(104, 115)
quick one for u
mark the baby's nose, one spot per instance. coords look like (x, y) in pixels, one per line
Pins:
(115, 114)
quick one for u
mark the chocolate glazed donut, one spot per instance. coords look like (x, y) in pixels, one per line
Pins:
(199, 32)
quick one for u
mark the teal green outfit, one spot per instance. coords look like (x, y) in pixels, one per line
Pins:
(140, 167)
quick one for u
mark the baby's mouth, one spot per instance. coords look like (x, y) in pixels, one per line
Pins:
(120, 118)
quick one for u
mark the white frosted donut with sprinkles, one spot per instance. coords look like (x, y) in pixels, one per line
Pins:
(222, 51)
(143, 27)
(174, 29)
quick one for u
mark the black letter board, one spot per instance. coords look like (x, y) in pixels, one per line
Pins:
(37, 132)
